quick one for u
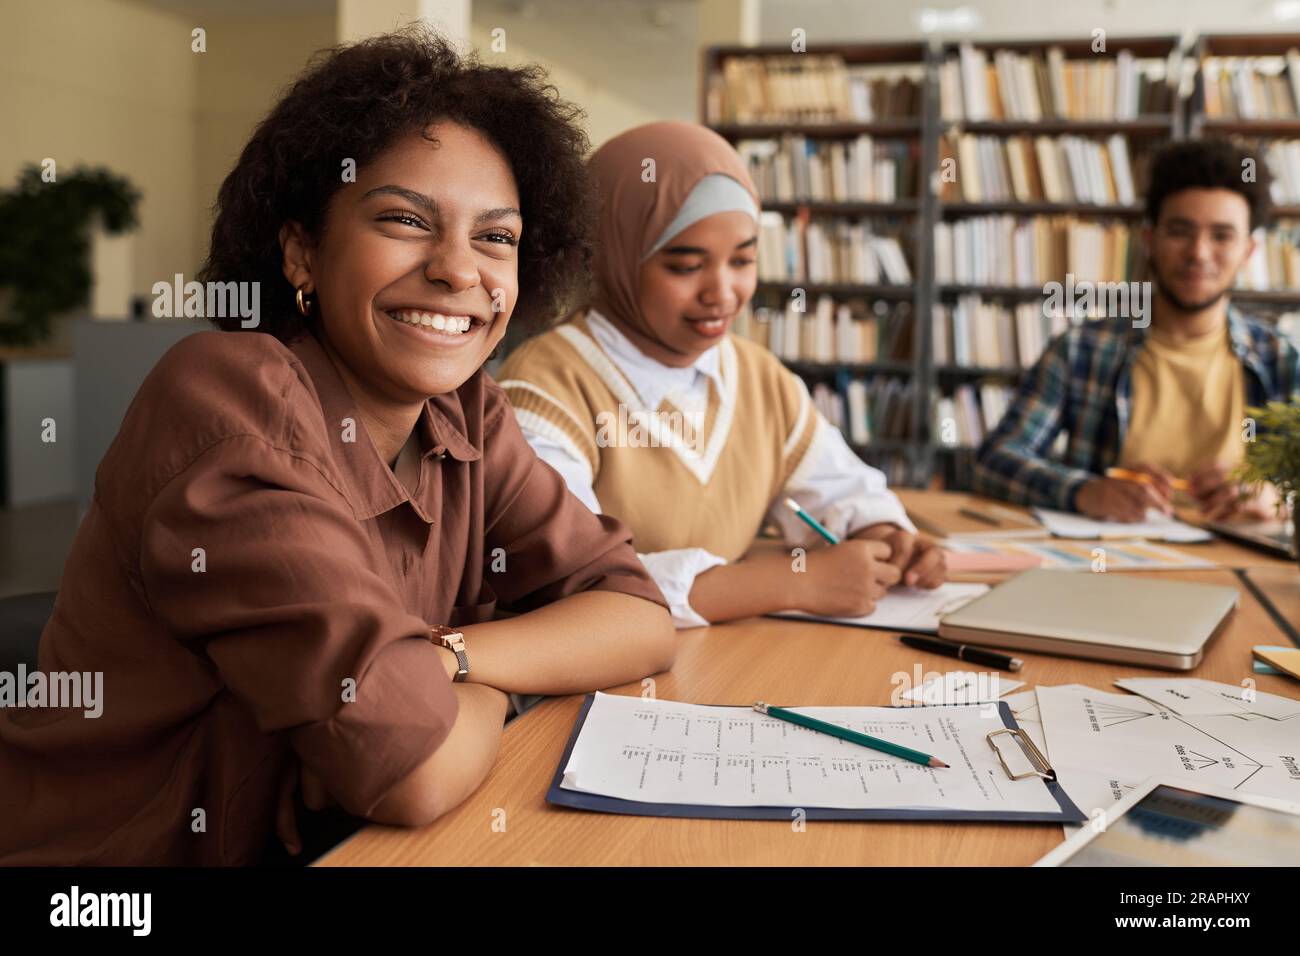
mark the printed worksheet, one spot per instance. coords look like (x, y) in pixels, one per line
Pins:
(1190, 696)
(660, 751)
(1103, 745)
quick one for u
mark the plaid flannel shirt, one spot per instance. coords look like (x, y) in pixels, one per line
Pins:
(1082, 385)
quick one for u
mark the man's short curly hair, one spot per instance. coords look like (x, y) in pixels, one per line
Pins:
(1209, 164)
(353, 102)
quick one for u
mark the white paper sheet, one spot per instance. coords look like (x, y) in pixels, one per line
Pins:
(1189, 696)
(1103, 745)
(963, 687)
(1156, 527)
(659, 751)
(906, 609)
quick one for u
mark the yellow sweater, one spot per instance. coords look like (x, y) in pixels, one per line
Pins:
(1188, 402)
(674, 482)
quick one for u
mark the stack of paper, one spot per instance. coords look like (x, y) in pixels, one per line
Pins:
(1102, 745)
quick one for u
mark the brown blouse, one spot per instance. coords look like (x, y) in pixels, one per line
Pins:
(253, 581)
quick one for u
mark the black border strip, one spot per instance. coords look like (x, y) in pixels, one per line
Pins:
(1283, 624)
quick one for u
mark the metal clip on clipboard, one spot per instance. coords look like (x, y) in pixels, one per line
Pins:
(1040, 767)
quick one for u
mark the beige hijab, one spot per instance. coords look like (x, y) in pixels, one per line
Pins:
(644, 178)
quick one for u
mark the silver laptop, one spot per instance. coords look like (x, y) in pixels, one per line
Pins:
(1128, 618)
(1275, 537)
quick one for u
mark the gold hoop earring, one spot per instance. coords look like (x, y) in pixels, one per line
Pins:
(303, 305)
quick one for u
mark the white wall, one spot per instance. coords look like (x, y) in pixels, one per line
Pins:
(106, 82)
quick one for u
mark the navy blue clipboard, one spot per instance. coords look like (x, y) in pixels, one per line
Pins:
(1069, 813)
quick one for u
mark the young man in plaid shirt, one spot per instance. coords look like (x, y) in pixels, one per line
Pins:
(1162, 394)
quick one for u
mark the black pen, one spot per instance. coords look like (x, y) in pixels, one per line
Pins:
(979, 516)
(976, 655)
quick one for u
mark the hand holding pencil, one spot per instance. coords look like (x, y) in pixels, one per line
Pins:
(1125, 494)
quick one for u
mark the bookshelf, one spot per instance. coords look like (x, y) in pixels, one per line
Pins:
(1074, 110)
(879, 100)
(1247, 88)
(1062, 97)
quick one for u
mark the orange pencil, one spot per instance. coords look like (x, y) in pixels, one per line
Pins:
(1142, 478)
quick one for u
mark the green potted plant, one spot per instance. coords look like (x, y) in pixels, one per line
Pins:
(1273, 455)
(45, 244)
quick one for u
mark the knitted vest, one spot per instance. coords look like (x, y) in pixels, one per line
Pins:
(675, 482)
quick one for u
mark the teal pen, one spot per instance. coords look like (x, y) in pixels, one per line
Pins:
(810, 521)
(852, 736)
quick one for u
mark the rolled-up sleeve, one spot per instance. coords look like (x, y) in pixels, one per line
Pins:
(252, 557)
(554, 545)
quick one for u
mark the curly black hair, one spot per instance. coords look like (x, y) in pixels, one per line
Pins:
(353, 102)
(1209, 164)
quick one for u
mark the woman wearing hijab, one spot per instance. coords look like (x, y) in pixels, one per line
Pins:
(653, 413)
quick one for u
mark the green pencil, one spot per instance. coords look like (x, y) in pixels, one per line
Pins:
(810, 521)
(852, 736)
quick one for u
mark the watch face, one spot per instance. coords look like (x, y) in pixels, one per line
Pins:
(449, 637)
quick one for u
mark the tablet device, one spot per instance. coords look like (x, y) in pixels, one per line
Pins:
(1168, 822)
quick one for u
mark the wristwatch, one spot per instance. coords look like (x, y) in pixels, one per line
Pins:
(454, 641)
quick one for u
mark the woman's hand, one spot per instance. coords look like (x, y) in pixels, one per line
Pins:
(846, 579)
(920, 560)
(314, 797)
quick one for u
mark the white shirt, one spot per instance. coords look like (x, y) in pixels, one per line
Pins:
(831, 483)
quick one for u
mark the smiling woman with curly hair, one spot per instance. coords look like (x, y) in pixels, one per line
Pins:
(299, 537)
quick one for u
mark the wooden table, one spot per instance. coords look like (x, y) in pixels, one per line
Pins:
(507, 821)
(938, 512)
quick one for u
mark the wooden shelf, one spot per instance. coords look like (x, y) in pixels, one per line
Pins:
(977, 371)
(841, 288)
(991, 291)
(1038, 209)
(831, 130)
(882, 367)
(1252, 127)
(1076, 47)
(1156, 124)
(888, 445)
(898, 207)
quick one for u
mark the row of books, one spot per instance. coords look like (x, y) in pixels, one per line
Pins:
(867, 409)
(832, 331)
(1282, 156)
(973, 333)
(1263, 87)
(962, 419)
(811, 88)
(796, 168)
(1032, 87)
(1029, 251)
(1276, 261)
(1061, 169)
(802, 248)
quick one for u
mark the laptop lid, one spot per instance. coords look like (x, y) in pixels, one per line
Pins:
(1128, 611)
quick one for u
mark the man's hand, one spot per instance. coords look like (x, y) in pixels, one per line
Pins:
(1220, 496)
(1117, 499)
(846, 579)
(920, 561)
